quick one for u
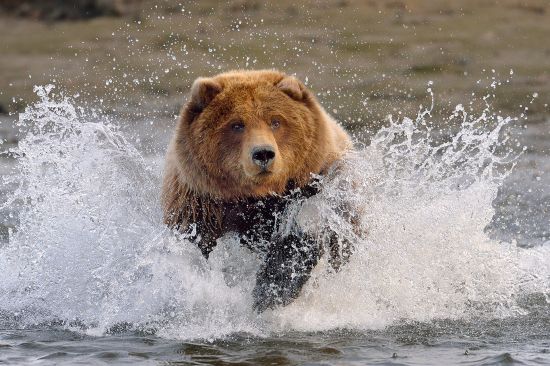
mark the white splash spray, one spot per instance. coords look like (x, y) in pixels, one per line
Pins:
(90, 249)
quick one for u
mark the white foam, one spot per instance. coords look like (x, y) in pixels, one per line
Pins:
(91, 248)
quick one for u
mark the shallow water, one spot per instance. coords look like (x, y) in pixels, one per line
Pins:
(455, 267)
(402, 345)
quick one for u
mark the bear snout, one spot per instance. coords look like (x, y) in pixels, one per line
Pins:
(263, 156)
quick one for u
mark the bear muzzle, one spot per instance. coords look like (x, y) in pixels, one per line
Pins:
(263, 156)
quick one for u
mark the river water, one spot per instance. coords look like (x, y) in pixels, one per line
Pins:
(455, 268)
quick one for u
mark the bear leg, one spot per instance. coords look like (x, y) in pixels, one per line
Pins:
(286, 268)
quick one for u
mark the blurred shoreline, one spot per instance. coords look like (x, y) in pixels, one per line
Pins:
(364, 59)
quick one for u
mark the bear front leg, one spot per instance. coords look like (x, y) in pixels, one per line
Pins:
(287, 267)
(339, 250)
(206, 244)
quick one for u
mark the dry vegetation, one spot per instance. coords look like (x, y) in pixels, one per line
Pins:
(365, 59)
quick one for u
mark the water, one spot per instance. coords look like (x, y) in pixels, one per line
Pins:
(455, 266)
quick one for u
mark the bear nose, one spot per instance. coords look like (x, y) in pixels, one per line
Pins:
(263, 155)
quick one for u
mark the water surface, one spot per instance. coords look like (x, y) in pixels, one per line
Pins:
(455, 269)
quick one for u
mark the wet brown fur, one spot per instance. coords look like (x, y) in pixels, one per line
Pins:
(208, 167)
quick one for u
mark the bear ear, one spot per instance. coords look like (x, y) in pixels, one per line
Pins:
(292, 87)
(203, 91)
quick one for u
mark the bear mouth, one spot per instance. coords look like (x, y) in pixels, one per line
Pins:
(260, 175)
(264, 173)
(259, 172)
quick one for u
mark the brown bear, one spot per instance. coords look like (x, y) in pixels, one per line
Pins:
(246, 144)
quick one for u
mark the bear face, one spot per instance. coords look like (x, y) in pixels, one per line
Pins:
(247, 134)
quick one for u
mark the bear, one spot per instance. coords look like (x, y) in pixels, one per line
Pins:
(246, 145)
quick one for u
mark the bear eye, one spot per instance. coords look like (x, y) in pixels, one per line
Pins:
(237, 126)
(275, 123)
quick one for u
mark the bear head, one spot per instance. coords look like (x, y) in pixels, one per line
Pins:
(248, 133)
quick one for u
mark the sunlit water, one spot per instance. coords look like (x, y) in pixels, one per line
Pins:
(90, 273)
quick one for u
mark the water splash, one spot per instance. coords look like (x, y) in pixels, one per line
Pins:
(90, 250)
